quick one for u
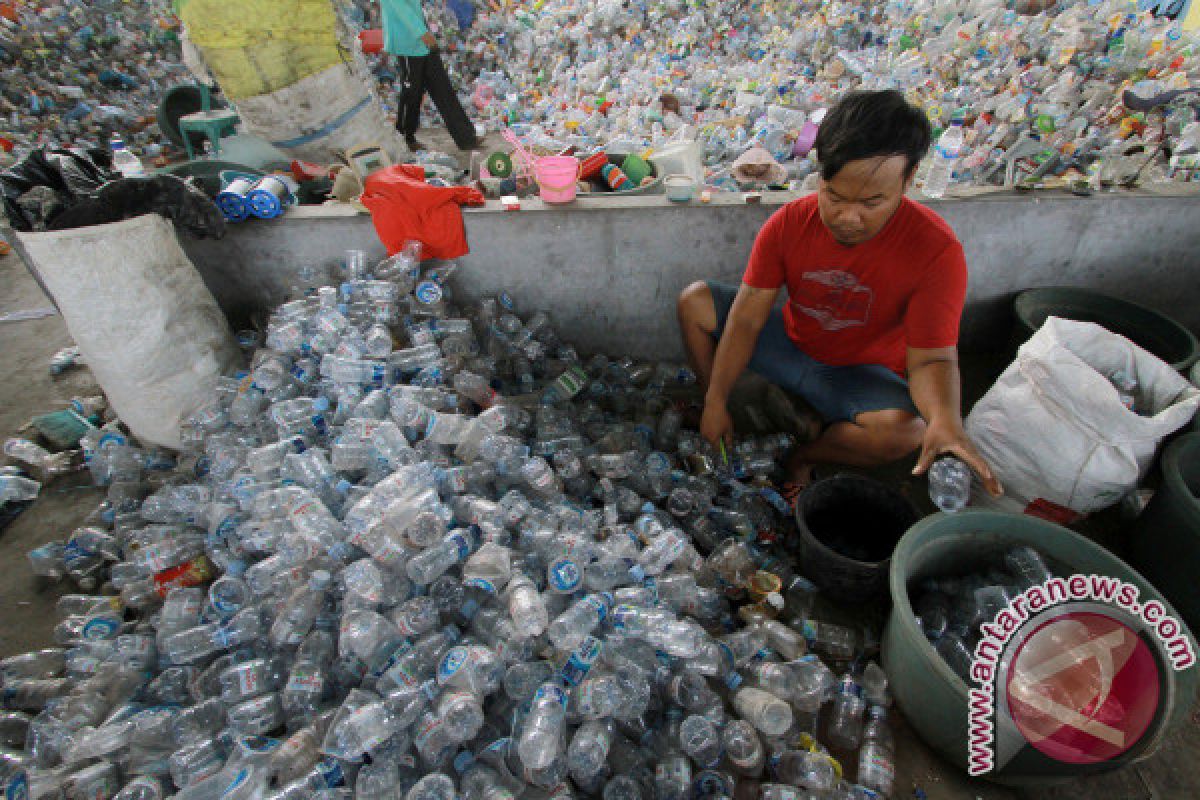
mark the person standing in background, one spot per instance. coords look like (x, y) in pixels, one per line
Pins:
(419, 65)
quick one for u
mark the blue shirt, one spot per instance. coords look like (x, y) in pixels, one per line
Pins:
(403, 27)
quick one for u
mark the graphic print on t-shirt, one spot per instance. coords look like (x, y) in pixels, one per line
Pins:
(834, 298)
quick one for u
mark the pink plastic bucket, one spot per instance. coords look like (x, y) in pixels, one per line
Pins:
(556, 176)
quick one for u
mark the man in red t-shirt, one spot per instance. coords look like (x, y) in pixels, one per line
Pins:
(875, 286)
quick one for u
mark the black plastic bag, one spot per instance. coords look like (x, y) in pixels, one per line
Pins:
(172, 197)
(69, 174)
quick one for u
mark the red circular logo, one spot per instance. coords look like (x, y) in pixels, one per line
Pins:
(1083, 688)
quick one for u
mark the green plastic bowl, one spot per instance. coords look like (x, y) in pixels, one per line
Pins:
(1145, 327)
(934, 698)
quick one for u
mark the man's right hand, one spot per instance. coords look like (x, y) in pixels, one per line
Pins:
(716, 425)
(429, 41)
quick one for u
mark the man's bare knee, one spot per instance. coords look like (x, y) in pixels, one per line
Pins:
(695, 307)
(894, 434)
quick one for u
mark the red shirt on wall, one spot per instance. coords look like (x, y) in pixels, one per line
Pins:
(864, 304)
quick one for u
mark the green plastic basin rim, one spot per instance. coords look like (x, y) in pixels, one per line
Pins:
(1185, 447)
(991, 521)
(1028, 300)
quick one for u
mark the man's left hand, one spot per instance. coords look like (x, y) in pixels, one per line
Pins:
(950, 438)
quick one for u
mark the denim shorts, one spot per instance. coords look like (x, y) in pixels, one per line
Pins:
(839, 394)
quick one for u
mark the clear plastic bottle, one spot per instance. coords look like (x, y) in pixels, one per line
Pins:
(844, 731)
(763, 710)
(877, 758)
(541, 739)
(743, 748)
(569, 629)
(945, 156)
(300, 611)
(425, 567)
(587, 755)
(526, 606)
(17, 489)
(699, 738)
(434, 786)
(125, 162)
(949, 484)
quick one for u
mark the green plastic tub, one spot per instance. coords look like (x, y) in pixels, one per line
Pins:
(934, 698)
(1195, 376)
(1155, 332)
(1164, 542)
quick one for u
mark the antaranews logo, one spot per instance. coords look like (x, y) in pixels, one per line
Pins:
(1076, 668)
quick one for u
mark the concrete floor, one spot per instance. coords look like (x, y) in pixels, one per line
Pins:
(27, 603)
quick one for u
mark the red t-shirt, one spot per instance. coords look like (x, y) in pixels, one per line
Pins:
(867, 303)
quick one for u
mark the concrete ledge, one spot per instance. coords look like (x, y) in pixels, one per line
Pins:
(608, 269)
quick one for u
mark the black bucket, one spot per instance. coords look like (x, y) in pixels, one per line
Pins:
(849, 525)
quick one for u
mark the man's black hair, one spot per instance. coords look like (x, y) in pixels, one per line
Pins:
(868, 124)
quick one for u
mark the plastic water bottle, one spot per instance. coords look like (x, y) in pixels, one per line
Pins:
(698, 737)
(949, 484)
(846, 716)
(569, 629)
(743, 748)
(945, 156)
(763, 710)
(877, 758)
(125, 162)
(16, 489)
(541, 739)
(587, 755)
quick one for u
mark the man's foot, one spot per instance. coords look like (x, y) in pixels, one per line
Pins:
(413, 143)
(800, 477)
(804, 423)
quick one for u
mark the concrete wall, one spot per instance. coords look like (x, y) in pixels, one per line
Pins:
(608, 270)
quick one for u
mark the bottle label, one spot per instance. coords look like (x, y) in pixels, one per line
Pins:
(99, 628)
(462, 543)
(17, 788)
(305, 681)
(873, 761)
(331, 773)
(601, 603)
(580, 662)
(550, 693)
(248, 682)
(452, 663)
(564, 576)
(196, 572)
(571, 382)
(393, 659)
(428, 292)
(238, 780)
(622, 616)
(429, 727)
(481, 583)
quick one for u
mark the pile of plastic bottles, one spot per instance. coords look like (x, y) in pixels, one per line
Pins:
(1038, 96)
(950, 610)
(73, 73)
(414, 551)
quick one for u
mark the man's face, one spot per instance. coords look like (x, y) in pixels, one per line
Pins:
(859, 200)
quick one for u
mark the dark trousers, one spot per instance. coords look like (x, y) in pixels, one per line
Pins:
(421, 74)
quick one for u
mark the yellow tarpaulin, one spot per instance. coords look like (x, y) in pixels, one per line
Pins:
(254, 47)
(1191, 19)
